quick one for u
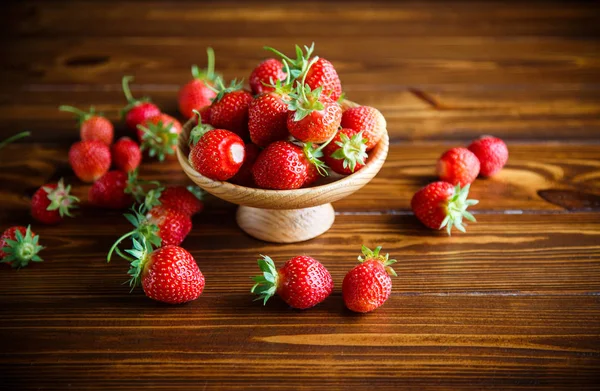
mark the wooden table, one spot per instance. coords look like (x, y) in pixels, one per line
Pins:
(512, 304)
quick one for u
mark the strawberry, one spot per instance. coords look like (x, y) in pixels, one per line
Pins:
(368, 285)
(196, 94)
(440, 204)
(217, 154)
(126, 154)
(19, 246)
(138, 110)
(115, 190)
(459, 166)
(368, 120)
(92, 126)
(187, 200)
(302, 282)
(347, 151)
(89, 159)
(229, 109)
(244, 175)
(158, 135)
(169, 274)
(51, 202)
(492, 154)
(311, 176)
(267, 73)
(267, 119)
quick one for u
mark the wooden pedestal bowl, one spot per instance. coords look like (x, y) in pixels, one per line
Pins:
(286, 216)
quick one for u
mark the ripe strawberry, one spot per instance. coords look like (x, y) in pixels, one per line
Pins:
(244, 175)
(459, 166)
(368, 120)
(115, 190)
(368, 285)
(19, 246)
(51, 202)
(158, 135)
(89, 159)
(196, 94)
(173, 225)
(126, 154)
(229, 109)
(267, 73)
(267, 118)
(187, 200)
(92, 126)
(218, 154)
(169, 274)
(492, 154)
(302, 282)
(138, 110)
(346, 153)
(440, 204)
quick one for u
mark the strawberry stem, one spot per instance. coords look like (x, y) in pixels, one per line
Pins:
(14, 138)
(125, 84)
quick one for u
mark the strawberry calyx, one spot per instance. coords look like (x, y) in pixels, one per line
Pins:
(199, 130)
(14, 137)
(138, 260)
(282, 87)
(80, 115)
(158, 139)
(352, 149)
(456, 209)
(300, 64)
(314, 156)
(61, 199)
(132, 102)
(135, 186)
(265, 284)
(208, 73)
(22, 250)
(303, 100)
(220, 89)
(374, 255)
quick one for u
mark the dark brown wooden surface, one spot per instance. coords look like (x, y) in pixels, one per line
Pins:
(512, 304)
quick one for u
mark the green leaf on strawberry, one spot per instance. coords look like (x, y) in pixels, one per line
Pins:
(199, 130)
(158, 139)
(61, 199)
(456, 209)
(352, 150)
(369, 255)
(266, 284)
(22, 250)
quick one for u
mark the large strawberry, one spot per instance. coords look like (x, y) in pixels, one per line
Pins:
(492, 154)
(244, 175)
(137, 110)
(267, 118)
(19, 246)
(196, 94)
(368, 285)
(265, 75)
(440, 204)
(229, 109)
(187, 200)
(458, 166)
(126, 154)
(302, 282)
(347, 152)
(52, 202)
(367, 120)
(158, 135)
(89, 159)
(92, 126)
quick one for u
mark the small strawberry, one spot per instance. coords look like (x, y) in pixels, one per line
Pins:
(196, 94)
(229, 109)
(158, 135)
(138, 110)
(347, 152)
(51, 202)
(368, 120)
(302, 282)
(492, 154)
(368, 285)
(440, 204)
(267, 119)
(116, 190)
(126, 154)
(458, 166)
(19, 246)
(89, 159)
(187, 200)
(244, 175)
(266, 74)
(169, 274)
(92, 126)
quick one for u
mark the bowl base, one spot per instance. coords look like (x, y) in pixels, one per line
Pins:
(285, 225)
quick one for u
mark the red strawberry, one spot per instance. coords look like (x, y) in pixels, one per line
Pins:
(368, 285)
(459, 166)
(187, 200)
(114, 190)
(440, 204)
(218, 153)
(173, 225)
(368, 120)
(158, 135)
(126, 154)
(51, 202)
(19, 246)
(229, 109)
(138, 110)
(196, 94)
(92, 126)
(169, 274)
(89, 159)
(244, 175)
(346, 153)
(267, 72)
(492, 154)
(267, 119)
(302, 282)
